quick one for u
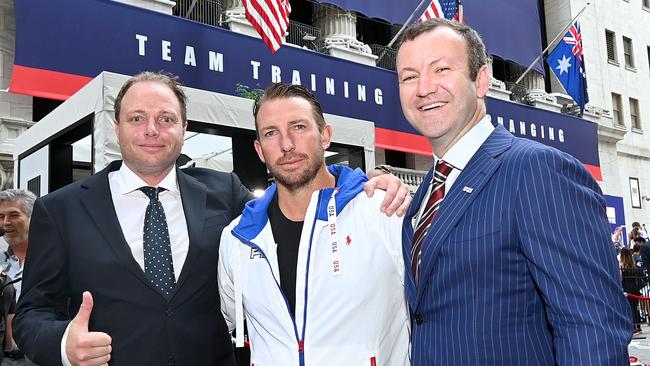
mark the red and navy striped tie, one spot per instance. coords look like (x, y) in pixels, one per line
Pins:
(433, 204)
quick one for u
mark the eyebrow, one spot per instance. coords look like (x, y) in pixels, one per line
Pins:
(432, 63)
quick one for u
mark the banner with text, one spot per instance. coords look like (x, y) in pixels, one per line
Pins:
(61, 45)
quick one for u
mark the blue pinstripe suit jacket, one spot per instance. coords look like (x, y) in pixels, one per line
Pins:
(520, 271)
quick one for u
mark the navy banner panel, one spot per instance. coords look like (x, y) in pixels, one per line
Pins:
(510, 29)
(616, 214)
(61, 45)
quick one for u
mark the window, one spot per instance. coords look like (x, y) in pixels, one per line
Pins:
(635, 116)
(617, 109)
(610, 38)
(628, 51)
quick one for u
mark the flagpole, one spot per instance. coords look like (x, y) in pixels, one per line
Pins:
(562, 32)
(399, 33)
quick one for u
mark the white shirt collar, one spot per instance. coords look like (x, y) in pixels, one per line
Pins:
(462, 151)
(127, 181)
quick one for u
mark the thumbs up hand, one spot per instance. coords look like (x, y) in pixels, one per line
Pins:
(82, 347)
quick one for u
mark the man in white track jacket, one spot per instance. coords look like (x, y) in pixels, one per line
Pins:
(313, 265)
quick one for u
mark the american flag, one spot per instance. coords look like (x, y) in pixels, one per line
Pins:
(448, 9)
(270, 18)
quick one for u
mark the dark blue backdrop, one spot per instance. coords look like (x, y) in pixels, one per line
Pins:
(61, 40)
(511, 29)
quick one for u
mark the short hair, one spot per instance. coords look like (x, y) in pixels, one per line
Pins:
(639, 239)
(25, 197)
(284, 90)
(636, 224)
(162, 77)
(475, 47)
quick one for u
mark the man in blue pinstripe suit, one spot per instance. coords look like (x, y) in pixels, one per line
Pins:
(520, 293)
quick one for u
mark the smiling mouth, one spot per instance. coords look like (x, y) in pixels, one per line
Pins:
(433, 106)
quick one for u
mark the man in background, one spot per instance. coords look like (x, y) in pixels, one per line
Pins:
(16, 207)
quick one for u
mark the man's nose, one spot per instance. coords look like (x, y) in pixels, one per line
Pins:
(426, 85)
(287, 143)
(151, 126)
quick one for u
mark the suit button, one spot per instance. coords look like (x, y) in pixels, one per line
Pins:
(169, 314)
(418, 319)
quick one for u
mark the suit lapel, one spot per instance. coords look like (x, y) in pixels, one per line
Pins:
(193, 196)
(475, 176)
(96, 197)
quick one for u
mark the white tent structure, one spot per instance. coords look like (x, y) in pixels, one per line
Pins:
(94, 104)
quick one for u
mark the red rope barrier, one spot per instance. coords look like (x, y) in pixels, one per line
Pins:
(637, 296)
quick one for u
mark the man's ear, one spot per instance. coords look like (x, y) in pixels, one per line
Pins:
(258, 149)
(117, 130)
(482, 81)
(326, 136)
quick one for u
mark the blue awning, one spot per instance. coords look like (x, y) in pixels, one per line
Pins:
(510, 29)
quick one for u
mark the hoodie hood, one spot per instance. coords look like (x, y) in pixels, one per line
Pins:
(255, 216)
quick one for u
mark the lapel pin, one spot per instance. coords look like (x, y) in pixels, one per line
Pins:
(467, 189)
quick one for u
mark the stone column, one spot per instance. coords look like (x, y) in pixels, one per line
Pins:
(339, 32)
(235, 16)
(534, 83)
(15, 109)
(161, 6)
(497, 87)
(536, 92)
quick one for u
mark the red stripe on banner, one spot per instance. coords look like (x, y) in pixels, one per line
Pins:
(416, 144)
(402, 141)
(595, 171)
(45, 83)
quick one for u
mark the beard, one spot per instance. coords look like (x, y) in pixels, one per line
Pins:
(297, 179)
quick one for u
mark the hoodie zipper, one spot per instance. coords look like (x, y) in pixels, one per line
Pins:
(299, 340)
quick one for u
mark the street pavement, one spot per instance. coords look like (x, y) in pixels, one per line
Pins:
(640, 347)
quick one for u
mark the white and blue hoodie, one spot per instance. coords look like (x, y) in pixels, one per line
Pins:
(350, 302)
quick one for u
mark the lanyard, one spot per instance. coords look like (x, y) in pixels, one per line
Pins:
(333, 237)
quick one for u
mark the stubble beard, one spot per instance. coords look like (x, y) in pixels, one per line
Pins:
(299, 179)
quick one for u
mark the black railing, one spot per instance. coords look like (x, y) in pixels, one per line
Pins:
(386, 56)
(518, 92)
(203, 11)
(303, 35)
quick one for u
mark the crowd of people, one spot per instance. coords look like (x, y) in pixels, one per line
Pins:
(144, 263)
(634, 258)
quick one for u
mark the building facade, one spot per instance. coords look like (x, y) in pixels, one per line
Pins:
(616, 49)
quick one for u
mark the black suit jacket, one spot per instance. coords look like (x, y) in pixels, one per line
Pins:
(76, 244)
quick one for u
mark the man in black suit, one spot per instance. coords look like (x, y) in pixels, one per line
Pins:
(141, 297)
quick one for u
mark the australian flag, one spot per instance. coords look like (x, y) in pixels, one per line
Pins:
(448, 9)
(567, 63)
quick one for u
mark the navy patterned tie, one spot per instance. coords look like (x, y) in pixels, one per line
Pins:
(157, 248)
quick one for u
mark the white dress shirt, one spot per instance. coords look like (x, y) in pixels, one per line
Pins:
(459, 155)
(130, 206)
(14, 270)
